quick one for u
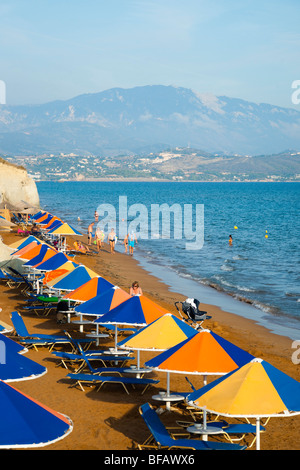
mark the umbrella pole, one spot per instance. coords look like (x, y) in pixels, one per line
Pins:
(138, 359)
(116, 336)
(258, 433)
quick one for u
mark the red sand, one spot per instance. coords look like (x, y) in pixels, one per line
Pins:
(109, 419)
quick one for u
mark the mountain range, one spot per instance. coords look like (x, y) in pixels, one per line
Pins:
(149, 118)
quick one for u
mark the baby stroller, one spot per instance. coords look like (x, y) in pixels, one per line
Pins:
(192, 314)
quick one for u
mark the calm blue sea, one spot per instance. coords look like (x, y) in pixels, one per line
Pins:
(259, 271)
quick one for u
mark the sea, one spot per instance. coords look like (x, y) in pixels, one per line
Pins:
(183, 231)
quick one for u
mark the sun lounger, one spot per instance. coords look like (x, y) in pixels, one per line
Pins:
(83, 359)
(37, 339)
(40, 309)
(232, 432)
(161, 438)
(99, 379)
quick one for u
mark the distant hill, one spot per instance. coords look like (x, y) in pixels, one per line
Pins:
(141, 119)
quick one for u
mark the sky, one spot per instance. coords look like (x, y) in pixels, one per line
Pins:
(58, 49)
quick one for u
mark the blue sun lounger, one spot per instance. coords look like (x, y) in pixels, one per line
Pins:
(160, 437)
(35, 339)
(99, 379)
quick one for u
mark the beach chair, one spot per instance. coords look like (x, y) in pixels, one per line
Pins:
(11, 281)
(161, 438)
(101, 380)
(34, 339)
(232, 432)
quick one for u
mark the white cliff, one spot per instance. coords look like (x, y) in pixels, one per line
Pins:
(16, 186)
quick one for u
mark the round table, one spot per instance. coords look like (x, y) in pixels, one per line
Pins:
(138, 371)
(96, 336)
(117, 352)
(168, 398)
(205, 430)
(81, 324)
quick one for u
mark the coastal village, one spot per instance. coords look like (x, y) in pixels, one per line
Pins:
(178, 164)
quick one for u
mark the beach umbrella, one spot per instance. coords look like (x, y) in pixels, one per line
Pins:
(25, 249)
(52, 263)
(38, 215)
(103, 303)
(27, 423)
(73, 279)
(7, 343)
(15, 367)
(5, 328)
(42, 217)
(45, 252)
(46, 220)
(6, 223)
(205, 353)
(63, 269)
(255, 390)
(31, 252)
(53, 224)
(94, 287)
(161, 334)
(22, 243)
(136, 311)
(64, 229)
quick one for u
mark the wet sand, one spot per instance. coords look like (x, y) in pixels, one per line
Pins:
(109, 419)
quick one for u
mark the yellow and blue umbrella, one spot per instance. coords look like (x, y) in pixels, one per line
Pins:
(136, 311)
(205, 353)
(161, 334)
(255, 390)
(65, 229)
(73, 279)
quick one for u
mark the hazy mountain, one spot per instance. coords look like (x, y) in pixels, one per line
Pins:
(126, 120)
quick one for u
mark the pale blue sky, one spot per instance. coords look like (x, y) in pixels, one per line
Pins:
(58, 49)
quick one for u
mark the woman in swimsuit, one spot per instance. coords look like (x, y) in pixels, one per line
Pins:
(135, 289)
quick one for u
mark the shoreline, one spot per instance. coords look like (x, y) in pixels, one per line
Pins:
(226, 301)
(109, 419)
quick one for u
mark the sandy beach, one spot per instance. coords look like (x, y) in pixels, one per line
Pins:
(109, 419)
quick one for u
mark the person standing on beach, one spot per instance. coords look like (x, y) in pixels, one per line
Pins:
(99, 235)
(135, 289)
(90, 233)
(112, 240)
(126, 242)
(131, 240)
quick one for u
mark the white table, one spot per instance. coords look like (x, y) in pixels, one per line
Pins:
(168, 398)
(205, 430)
(138, 371)
(96, 336)
(81, 324)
